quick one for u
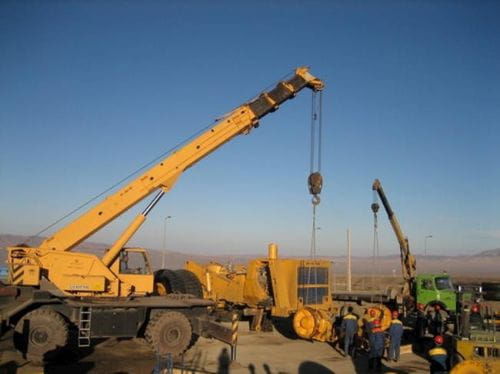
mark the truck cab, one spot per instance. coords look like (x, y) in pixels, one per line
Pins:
(436, 289)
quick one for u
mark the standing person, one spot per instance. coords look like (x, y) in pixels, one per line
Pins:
(368, 319)
(421, 323)
(349, 328)
(437, 320)
(372, 315)
(476, 319)
(395, 334)
(438, 357)
(377, 345)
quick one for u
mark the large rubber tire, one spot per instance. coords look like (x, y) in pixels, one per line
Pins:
(169, 280)
(190, 282)
(490, 287)
(169, 332)
(41, 335)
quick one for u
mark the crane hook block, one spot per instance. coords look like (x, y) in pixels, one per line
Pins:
(315, 200)
(375, 208)
(315, 182)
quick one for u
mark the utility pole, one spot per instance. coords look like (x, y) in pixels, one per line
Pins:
(349, 284)
(164, 254)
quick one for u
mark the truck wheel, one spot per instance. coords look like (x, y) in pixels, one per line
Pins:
(167, 281)
(41, 335)
(169, 332)
(190, 282)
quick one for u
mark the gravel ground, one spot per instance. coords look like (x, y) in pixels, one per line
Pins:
(257, 353)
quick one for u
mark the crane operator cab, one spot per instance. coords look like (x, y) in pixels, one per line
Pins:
(134, 261)
(133, 267)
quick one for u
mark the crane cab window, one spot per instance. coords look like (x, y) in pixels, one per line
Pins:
(132, 262)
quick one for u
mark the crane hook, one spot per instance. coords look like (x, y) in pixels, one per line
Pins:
(315, 182)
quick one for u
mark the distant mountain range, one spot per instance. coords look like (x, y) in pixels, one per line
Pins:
(489, 253)
(485, 263)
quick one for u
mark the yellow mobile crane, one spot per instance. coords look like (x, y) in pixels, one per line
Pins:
(53, 289)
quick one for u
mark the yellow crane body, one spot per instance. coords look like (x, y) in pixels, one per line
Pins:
(79, 274)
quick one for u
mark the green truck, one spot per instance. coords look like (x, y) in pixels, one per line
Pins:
(433, 289)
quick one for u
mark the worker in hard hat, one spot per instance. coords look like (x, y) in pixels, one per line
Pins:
(349, 327)
(437, 323)
(372, 315)
(421, 322)
(395, 335)
(476, 319)
(377, 345)
(369, 317)
(438, 357)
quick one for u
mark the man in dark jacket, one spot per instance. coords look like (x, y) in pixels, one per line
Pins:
(349, 327)
(437, 321)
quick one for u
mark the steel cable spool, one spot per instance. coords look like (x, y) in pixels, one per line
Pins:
(383, 314)
(309, 323)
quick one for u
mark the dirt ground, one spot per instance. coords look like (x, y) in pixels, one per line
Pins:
(256, 353)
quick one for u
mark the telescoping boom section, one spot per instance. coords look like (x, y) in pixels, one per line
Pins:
(408, 262)
(82, 274)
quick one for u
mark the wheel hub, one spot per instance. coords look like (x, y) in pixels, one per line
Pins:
(171, 335)
(39, 336)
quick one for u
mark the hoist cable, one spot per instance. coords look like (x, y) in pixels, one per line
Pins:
(320, 129)
(313, 132)
(315, 185)
(312, 254)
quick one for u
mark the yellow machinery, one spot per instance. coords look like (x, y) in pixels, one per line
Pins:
(104, 296)
(477, 367)
(295, 292)
(476, 350)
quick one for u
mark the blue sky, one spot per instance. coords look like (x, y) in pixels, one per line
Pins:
(92, 90)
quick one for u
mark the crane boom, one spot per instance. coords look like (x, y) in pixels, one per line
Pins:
(164, 174)
(408, 262)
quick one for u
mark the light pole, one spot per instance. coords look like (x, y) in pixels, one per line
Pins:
(425, 244)
(164, 241)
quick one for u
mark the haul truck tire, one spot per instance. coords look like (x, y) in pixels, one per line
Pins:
(169, 332)
(190, 283)
(167, 281)
(41, 335)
